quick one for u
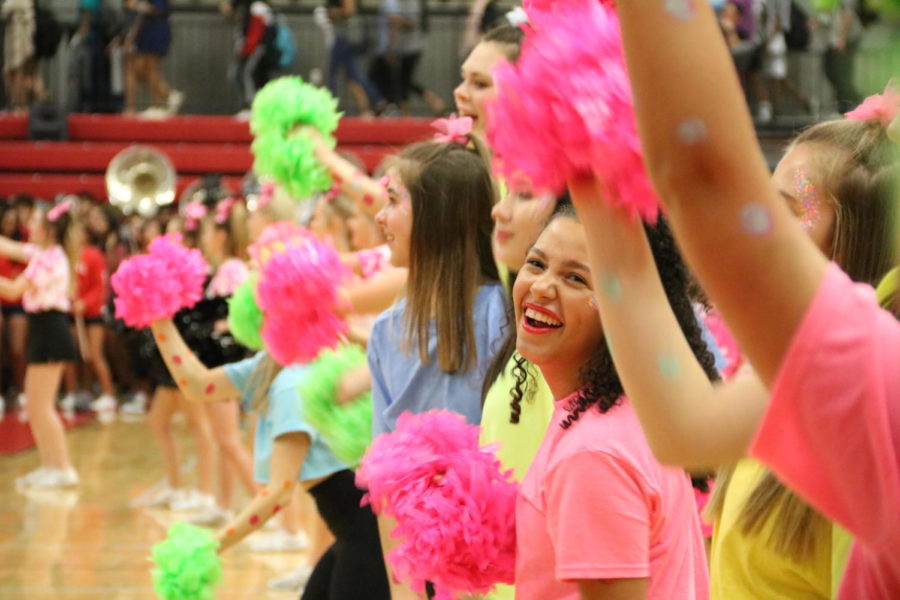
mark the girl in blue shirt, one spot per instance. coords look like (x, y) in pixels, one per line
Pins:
(287, 450)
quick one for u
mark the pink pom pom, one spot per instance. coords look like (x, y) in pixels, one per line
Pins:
(229, 275)
(157, 285)
(454, 506)
(565, 109)
(297, 293)
(275, 238)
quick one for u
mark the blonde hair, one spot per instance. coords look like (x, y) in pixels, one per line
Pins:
(261, 380)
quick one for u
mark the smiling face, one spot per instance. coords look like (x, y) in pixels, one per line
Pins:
(395, 220)
(794, 177)
(477, 85)
(557, 325)
(518, 220)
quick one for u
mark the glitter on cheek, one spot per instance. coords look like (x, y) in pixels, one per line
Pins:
(692, 131)
(680, 9)
(756, 219)
(593, 303)
(668, 366)
(806, 194)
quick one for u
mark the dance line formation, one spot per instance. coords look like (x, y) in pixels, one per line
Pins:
(581, 344)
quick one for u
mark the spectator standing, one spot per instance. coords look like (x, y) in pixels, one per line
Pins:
(147, 42)
(94, 92)
(350, 42)
(844, 35)
(256, 56)
(18, 50)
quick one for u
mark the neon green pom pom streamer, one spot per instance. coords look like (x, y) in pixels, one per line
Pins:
(187, 566)
(244, 317)
(283, 154)
(346, 428)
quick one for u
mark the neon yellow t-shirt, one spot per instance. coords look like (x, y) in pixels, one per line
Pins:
(748, 568)
(518, 443)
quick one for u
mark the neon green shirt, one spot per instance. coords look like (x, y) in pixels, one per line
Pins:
(518, 443)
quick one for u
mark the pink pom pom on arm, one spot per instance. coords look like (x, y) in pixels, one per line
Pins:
(454, 506)
(298, 295)
(565, 109)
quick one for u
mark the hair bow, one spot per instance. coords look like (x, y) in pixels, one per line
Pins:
(193, 212)
(224, 208)
(453, 129)
(882, 108)
(266, 191)
(59, 210)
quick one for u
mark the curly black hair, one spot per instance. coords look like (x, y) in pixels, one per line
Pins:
(601, 386)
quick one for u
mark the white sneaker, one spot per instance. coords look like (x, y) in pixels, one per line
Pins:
(193, 501)
(154, 113)
(23, 414)
(67, 404)
(764, 112)
(28, 478)
(104, 403)
(215, 517)
(243, 115)
(291, 582)
(174, 102)
(136, 406)
(280, 540)
(52, 478)
(163, 498)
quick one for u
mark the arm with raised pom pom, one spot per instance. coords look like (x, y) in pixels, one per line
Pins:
(369, 195)
(198, 382)
(702, 153)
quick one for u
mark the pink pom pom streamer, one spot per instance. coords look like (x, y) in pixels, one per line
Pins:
(297, 293)
(157, 285)
(454, 506)
(565, 109)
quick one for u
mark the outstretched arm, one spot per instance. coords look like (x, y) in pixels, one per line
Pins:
(688, 420)
(288, 454)
(13, 250)
(369, 195)
(739, 237)
(198, 382)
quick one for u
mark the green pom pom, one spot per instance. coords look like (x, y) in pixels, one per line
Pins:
(288, 101)
(291, 162)
(244, 317)
(288, 157)
(187, 566)
(346, 428)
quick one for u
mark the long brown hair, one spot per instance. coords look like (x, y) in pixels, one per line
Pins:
(66, 231)
(261, 380)
(450, 247)
(857, 168)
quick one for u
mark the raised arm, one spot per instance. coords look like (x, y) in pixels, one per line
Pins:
(288, 455)
(369, 195)
(372, 296)
(688, 420)
(758, 267)
(198, 382)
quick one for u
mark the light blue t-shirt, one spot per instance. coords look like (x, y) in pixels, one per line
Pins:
(400, 382)
(282, 416)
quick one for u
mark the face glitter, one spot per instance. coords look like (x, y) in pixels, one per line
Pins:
(806, 194)
(691, 131)
(756, 220)
(593, 303)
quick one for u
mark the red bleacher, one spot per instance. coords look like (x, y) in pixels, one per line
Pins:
(195, 144)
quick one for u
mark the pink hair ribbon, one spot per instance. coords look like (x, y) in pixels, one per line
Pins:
(882, 108)
(59, 210)
(333, 193)
(453, 129)
(223, 210)
(193, 212)
(266, 191)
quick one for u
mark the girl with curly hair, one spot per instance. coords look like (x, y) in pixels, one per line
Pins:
(597, 515)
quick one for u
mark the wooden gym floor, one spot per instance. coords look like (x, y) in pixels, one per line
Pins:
(90, 543)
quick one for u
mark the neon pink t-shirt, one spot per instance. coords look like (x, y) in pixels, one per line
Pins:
(595, 504)
(832, 428)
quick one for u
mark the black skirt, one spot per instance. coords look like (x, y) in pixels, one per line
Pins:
(50, 338)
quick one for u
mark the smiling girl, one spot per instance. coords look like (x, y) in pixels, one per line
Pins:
(597, 516)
